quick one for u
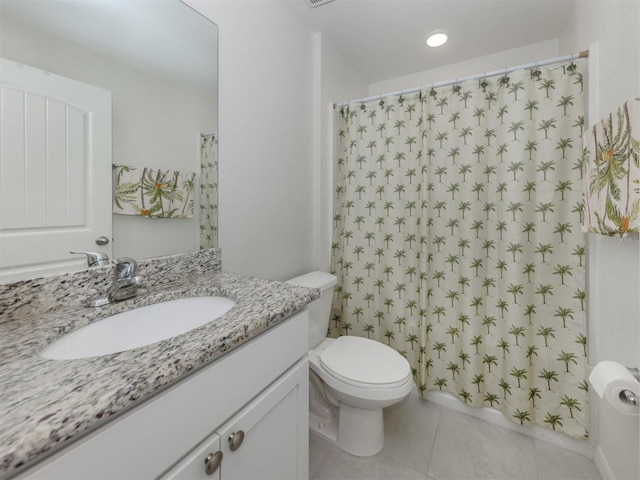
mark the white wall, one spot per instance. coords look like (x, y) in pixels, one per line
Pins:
(614, 25)
(266, 137)
(339, 81)
(612, 30)
(487, 63)
(277, 82)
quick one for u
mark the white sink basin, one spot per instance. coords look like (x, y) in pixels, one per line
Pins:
(137, 328)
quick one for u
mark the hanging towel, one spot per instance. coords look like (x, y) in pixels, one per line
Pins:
(153, 193)
(612, 180)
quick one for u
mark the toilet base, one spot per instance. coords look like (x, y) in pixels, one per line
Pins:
(357, 431)
(360, 431)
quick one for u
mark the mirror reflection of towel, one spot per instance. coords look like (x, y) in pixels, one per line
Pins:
(612, 181)
(153, 193)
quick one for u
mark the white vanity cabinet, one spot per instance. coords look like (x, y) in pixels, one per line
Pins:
(260, 388)
(262, 441)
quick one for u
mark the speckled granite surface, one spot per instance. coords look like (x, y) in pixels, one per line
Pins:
(43, 295)
(46, 403)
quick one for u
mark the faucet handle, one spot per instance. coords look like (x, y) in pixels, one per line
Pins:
(125, 267)
(94, 259)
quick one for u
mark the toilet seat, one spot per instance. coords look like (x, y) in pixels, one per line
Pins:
(365, 363)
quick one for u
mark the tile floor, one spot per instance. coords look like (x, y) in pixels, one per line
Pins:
(430, 442)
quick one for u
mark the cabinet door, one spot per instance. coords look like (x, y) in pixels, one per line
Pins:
(202, 463)
(274, 427)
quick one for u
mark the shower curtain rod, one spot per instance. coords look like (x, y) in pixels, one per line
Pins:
(565, 58)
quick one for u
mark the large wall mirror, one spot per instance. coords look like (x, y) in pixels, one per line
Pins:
(158, 61)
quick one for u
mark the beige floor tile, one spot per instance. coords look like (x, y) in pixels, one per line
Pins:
(338, 465)
(425, 440)
(410, 431)
(555, 463)
(318, 449)
(470, 448)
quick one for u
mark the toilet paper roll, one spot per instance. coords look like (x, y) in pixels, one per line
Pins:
(609, 380)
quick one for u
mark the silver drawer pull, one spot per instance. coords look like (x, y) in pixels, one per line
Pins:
(212, 462)
(235, 440)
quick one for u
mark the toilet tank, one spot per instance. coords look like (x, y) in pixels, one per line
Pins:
(320, 309)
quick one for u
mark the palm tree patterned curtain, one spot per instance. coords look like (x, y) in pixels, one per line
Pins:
(208, 191)
(457, 240)
(612, 189)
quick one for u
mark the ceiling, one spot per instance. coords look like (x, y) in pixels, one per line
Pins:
(164, 36)
(386, 38)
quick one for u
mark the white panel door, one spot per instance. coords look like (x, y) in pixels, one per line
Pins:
(55, 171)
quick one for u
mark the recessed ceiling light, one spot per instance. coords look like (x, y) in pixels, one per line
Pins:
(437, 38)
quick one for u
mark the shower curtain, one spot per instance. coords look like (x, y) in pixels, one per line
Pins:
(208, 191)
(457, 240)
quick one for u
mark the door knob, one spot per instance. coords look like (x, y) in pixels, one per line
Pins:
(235, 440)
(102, 240)
(212, 462)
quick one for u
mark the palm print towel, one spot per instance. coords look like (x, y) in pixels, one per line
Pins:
(153, 193)
(612, 187)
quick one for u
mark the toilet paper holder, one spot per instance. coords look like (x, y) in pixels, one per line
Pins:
(627, 396)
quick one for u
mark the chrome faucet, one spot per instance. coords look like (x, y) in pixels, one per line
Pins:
(126, 283)
(94, 259)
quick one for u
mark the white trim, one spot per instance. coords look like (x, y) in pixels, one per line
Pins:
(602, 465)
(496, 417)
(316, 152)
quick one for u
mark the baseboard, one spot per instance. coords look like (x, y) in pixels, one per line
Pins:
(602, 465)
(582, 447)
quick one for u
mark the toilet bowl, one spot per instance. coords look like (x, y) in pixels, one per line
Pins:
(351, 379)
(360, 377)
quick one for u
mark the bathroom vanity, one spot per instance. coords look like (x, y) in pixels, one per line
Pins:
(225, 400)
(259, 389)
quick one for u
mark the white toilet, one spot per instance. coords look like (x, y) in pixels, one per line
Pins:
(351, 378)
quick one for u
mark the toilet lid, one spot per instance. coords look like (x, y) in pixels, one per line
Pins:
(360, 361)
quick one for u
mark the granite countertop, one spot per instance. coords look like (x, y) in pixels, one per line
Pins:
(45, 404)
